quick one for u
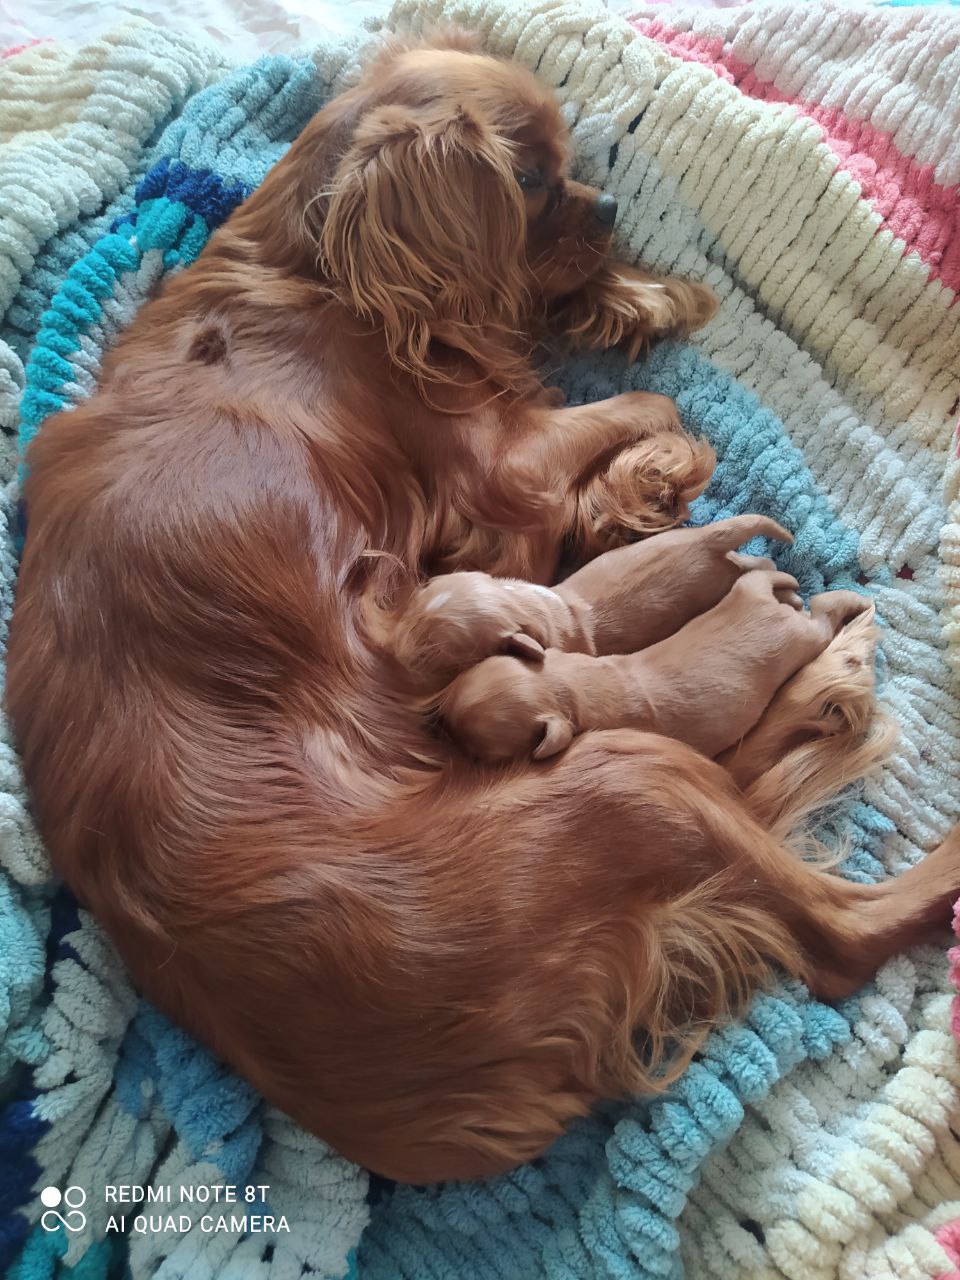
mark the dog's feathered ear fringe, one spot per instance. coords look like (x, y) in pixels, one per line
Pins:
(424, 233)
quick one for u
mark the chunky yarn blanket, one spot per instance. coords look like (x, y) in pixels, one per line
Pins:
(805, 160)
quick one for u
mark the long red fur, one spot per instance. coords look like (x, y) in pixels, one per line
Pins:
(431, 965)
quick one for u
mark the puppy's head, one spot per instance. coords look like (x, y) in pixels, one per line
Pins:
(506, 709)
(449, 215)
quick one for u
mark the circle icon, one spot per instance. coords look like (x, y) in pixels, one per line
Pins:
(52, 1198)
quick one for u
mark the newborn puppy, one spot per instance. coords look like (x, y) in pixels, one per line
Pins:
(708, 685)
(625, 600)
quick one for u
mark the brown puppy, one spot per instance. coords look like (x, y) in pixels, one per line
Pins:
(625, 599)
(707, 685)
(431, 964)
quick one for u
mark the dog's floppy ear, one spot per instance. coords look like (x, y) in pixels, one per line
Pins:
(557, 736)
(425, 232)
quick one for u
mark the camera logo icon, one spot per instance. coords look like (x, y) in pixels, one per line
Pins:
(72, 1219)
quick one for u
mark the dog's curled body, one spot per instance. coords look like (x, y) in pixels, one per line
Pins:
(431, 965)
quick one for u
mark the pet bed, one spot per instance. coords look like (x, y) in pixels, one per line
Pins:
(802, 159)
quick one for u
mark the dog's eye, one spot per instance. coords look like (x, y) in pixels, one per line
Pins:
(530, 180)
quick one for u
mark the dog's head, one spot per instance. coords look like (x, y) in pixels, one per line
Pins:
(447, 213)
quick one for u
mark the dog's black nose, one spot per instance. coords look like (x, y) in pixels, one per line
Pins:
(605, 210)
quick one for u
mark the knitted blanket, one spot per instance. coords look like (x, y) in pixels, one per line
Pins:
(805, 161)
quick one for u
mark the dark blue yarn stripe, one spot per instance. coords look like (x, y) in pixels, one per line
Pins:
(201, 190)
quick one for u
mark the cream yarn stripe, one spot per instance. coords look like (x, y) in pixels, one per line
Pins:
(909, 88)
(62, 173)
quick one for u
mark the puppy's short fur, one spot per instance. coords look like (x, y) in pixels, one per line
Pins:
(719, 633)
(624, 600)
(431, 964)
(707, 685)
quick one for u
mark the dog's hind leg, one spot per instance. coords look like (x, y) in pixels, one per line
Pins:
(614, 905)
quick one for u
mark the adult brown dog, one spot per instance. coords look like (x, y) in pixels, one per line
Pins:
(432, 965)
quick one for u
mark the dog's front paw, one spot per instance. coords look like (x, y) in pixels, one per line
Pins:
(625, 307)
(835, 692)
(695, 305)
(666, 307)
(647, 487)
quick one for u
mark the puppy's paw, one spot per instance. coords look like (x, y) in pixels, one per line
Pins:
(803, 634)
(835, 609)
(764, 586)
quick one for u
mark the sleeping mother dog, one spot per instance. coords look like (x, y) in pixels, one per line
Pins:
(219, 656)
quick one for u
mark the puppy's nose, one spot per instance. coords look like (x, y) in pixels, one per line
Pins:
(605, 210)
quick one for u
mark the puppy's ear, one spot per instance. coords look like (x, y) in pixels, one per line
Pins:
(425, 232)
(523, 646)
(557, 736)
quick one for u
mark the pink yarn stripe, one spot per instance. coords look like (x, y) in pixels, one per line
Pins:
(948, 1237)
(925, 215)
(19, 48)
